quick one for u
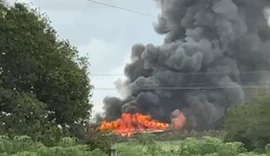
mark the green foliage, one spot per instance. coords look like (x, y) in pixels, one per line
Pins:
(145, 139)
(96, 140)
(206, 146)
(24, 146)
(174, 135)
(183, 134)
(250, 123)
(43, 81)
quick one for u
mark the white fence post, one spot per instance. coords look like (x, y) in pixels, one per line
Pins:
(112, 152)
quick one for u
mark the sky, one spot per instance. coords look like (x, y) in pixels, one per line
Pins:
(104, 34)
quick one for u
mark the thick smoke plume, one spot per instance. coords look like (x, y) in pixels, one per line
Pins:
(213, 52)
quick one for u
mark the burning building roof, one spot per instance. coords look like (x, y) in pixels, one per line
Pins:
(131, 123)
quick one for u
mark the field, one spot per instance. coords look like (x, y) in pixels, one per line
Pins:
(208, 146)
(24, 146)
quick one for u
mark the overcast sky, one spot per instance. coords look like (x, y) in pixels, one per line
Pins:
(105, 34)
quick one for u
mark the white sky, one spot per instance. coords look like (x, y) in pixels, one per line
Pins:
(105, 34)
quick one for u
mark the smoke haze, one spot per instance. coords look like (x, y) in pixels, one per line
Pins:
(212, 51)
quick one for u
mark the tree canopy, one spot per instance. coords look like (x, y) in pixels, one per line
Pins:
(250, 123)
(43, 80)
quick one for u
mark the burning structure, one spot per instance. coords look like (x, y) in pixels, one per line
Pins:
(214, 51)
(131, 123)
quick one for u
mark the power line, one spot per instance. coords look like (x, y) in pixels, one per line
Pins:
(197, 73)
(266, 85)
(223, 83)
(121, 8)
(189, 88)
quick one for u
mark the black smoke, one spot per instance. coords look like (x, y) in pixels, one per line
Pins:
(214, 51)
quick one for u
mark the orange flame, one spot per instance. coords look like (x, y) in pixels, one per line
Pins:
(129, 124)
(178, 119)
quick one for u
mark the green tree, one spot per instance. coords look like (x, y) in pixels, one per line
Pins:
(250, 123)
(43, 80)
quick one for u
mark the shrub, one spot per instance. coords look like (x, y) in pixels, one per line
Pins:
(207, 146)
(250, 123)
(24, 146)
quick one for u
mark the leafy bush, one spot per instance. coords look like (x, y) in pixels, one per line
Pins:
(24, 146)
(250, 123)
(183, 134)
(173, 135)
(206, 146)
(96, 140)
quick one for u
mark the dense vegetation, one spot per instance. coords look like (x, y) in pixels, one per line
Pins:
(44, 84)
(250, 124)
(24, 146)
(188, 147)
(45, 92)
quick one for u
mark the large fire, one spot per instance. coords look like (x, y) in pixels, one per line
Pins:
(130, 123)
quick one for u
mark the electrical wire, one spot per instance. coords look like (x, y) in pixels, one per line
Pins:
(191, 74)
(215, 86)
(186, 87)
(197, 73)
(121, 8)
(203, 85)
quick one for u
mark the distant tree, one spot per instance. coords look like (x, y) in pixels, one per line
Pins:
(43, 81)
(250, 123)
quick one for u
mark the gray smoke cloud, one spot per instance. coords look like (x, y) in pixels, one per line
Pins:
(213, 50)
